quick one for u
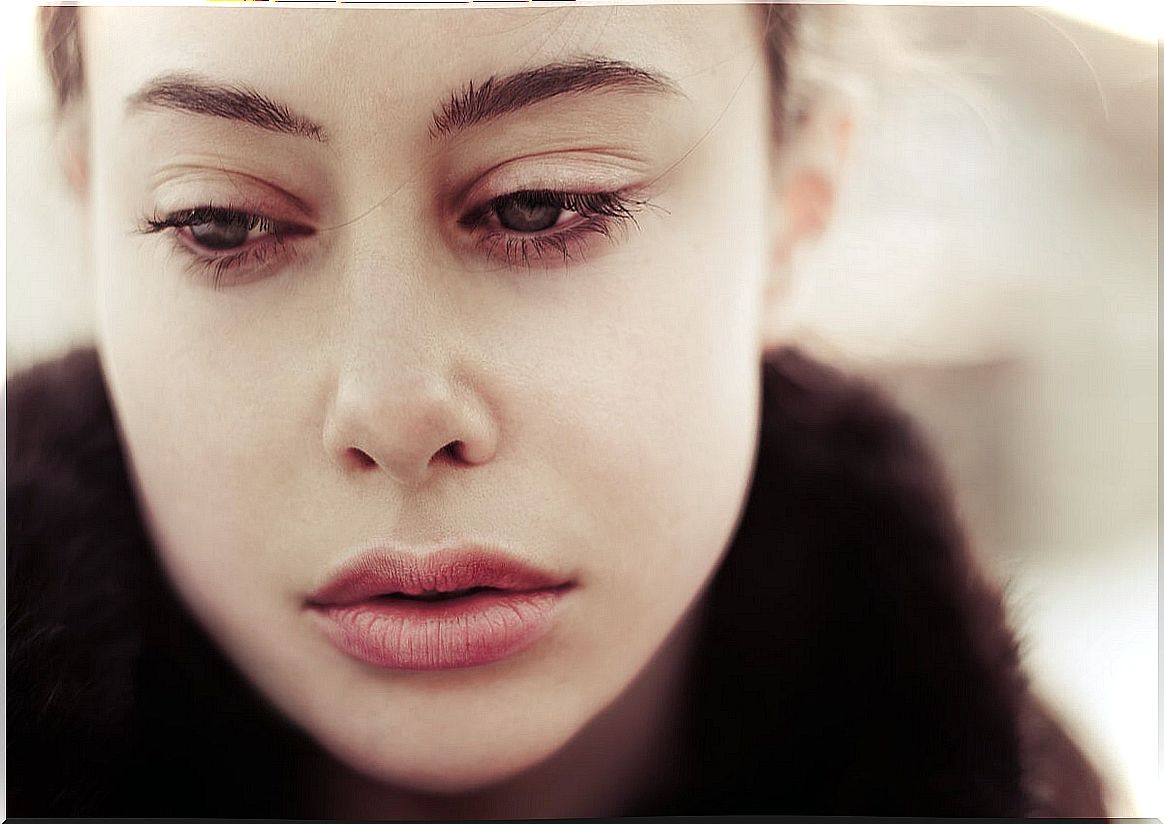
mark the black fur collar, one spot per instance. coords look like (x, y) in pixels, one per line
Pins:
(855, 661)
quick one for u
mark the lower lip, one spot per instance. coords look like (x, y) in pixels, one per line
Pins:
(437, 635)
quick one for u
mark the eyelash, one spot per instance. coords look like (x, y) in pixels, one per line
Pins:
(219, 268)
(597, 212)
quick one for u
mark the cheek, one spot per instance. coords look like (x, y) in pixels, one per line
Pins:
(208, 428)
(655, 400)
(656, 379)
(200, 480)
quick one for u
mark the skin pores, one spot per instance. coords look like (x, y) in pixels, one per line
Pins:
(603, 407)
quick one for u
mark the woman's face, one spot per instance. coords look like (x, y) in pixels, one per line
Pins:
(328, 325)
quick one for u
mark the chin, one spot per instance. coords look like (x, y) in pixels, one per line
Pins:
(455, 766)
(443, 779)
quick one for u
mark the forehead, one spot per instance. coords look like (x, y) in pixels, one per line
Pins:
(389, 64)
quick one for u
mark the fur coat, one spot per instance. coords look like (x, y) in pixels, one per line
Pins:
(854, 662)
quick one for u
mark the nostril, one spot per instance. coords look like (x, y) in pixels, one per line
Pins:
(360, 459)
(451, 452)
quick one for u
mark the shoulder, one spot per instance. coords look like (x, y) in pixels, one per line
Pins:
(70, 508)
(851, 624)
(1058, 777)
(67, 485)
(74, 540)
(119, 703)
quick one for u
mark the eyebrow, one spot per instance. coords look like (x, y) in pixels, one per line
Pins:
(500, 96)
(196, 95)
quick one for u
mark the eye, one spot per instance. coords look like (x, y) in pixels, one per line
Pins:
(220, 235)
(546, 225)
(523, 213)
(227, 243)
(217, 229)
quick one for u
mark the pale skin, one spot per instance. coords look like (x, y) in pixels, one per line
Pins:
(385, 372)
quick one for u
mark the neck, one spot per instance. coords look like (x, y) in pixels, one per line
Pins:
(622, 759)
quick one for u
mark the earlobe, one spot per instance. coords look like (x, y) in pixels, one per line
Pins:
(809, 170)
(809, 202)
(71, 148)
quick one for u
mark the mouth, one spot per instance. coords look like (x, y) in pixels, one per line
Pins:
(435, 595)
(448, 610)
(439, 576)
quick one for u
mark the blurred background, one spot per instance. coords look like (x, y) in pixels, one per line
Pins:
(993, 262)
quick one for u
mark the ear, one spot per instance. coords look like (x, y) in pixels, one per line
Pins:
(807, 170)
(71, 147)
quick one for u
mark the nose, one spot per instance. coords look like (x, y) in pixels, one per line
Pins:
(398, 412)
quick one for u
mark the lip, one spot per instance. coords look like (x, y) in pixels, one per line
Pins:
(362, 612)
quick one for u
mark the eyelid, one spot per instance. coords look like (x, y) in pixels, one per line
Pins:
(210, 212)
(272, 209)
(240, 265)
(598, 215)
(580, 170)
(191, 179)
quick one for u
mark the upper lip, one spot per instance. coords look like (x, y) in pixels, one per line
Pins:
(384, 571)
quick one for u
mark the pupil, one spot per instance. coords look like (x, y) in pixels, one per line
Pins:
(219, 236)
(527, 217)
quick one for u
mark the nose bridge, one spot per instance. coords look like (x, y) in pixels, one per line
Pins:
(398, 404)
(393, 301)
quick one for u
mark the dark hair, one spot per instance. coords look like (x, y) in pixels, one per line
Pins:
(60, 41)
(60, 35)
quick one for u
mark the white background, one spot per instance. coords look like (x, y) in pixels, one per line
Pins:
(994, 261)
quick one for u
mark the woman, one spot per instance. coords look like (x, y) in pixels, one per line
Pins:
(438, 457)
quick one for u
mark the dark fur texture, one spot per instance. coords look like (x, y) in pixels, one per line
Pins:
(855, 660)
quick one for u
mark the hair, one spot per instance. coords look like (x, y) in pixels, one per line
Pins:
(60, 42)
